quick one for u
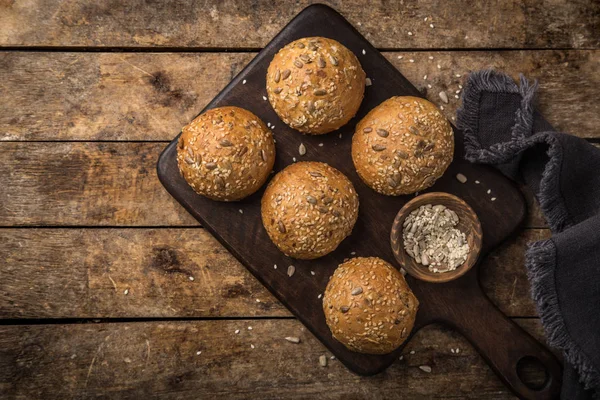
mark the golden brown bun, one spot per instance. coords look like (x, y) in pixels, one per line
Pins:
(402, 146)
(226, 153)
(368, 306)
(308, 209)
(315, 85)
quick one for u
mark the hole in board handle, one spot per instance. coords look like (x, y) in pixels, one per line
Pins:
(533, 373)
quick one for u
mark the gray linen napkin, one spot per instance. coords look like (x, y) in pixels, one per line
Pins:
(502, 128)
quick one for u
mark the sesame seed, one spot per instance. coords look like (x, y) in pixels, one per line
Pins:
(319, 296)
(410, 33)
(294, 159)
(477, 182)
(320, 144)
(425, 19)
(493, 199)
(332, 358)
(431, 26)
(293, 339)
(364, 52)
(458, 75)
(275, 266)
(353, 253)
(198, 353)
(452, 351)
(249, 328)
(400, 57)
(251, 346)
(460, 86)
(456, 96)
(411, 60)
(126, 292)
(401, 358)
(429, 86)
(191, 278)
(312, 273)
(340, 135)
(457, 350)
(431, 57)
(425, 77)
(244, 82)
(412, 352)
(489, 191)
(237, 331)
(241, 211)
(442, 108)
(359, 24)
(439, 66)
(265, 98)
(258, 300)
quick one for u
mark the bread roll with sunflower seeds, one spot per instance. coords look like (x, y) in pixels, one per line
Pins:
(402, 146)
(315, 85)
(308, 209)
(226, 153)
(368, 306)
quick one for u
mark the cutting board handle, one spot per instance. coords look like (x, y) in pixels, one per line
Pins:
(503, 344)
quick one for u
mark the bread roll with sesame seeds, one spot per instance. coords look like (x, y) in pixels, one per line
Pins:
(368, 306)
(402, 146)
(308, 209)
(226, 153)
(315, 85)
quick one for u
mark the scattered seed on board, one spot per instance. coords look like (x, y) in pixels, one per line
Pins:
(191, 278)
(258, 300)
(461, 178)
(237, 331)
(477, 182)
(368, 82)
(265, 98)
(319, 296)
(291, 270)
(457, 350)
(431, 57)
(251, 346)
(126, 292)
(411, 60)
(439, 66)
(489, 191)
(425, 368)
(456, 96)
(452, 351)
(412, 352)
(198, 353)
(320, 144)
(364, 52)
(444, 97)
(410, 33)
(400, 57)
(294, 159)
(352, 253)
(429, 86)
(493, 199)
(401, 358)
(275, 266)
(323, 361)
(312, 273)
(241, 211)
(244, 82)
(431, 26)
(424, 77)
(302, 149)
(293, 339)
(249, 328)
(332, 358)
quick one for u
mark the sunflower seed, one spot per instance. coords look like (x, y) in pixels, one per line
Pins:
(281, 227)
(311, 200)
(402, 154)
(219, 181)
(300, 45)
(429, 147)
(344, 309)
(323, 361)
(444, 97)
(277, 90)
(243, 150)
(356, 291)
(263, 155)
(378, 147)
(305, 58)
(333, 61)
(310, 106)
(413, 130)
(461, 178)
(225, 143)
(285, 74)
(383, 133)
(321, 62)
(227, 164)
(315, 174)
(368, 130)
(298, 63)
(180, 144)
(302, 149)
(291, 270)
(327, 200)
(293, 339)
(210, 165)
(336, 213)
(188, 160)
(320, 92)
(323, 209)
(277, 76)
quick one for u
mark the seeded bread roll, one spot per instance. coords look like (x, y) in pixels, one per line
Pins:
(368, 306)
(226, 153)
(315, 85)
(308, 209)
(402, 146)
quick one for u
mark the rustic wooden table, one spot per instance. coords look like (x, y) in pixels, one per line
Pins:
(108, 287)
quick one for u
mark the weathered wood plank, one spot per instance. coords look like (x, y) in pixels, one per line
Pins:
(233, 24)
(108, 96)
(133, 360)
(84, 184)
(145, 273)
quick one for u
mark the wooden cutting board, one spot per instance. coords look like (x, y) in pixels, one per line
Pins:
(460, 304)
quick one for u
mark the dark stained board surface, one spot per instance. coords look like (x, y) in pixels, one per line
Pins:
(460, 303)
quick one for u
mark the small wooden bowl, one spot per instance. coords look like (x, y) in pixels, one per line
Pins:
(468, 223)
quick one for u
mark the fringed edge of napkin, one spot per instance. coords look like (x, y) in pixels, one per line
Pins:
(540, 256)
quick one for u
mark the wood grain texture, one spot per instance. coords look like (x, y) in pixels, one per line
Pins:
(134, 360)
(239, 24)
(83, 273)
(107, 96)
(95, 184)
